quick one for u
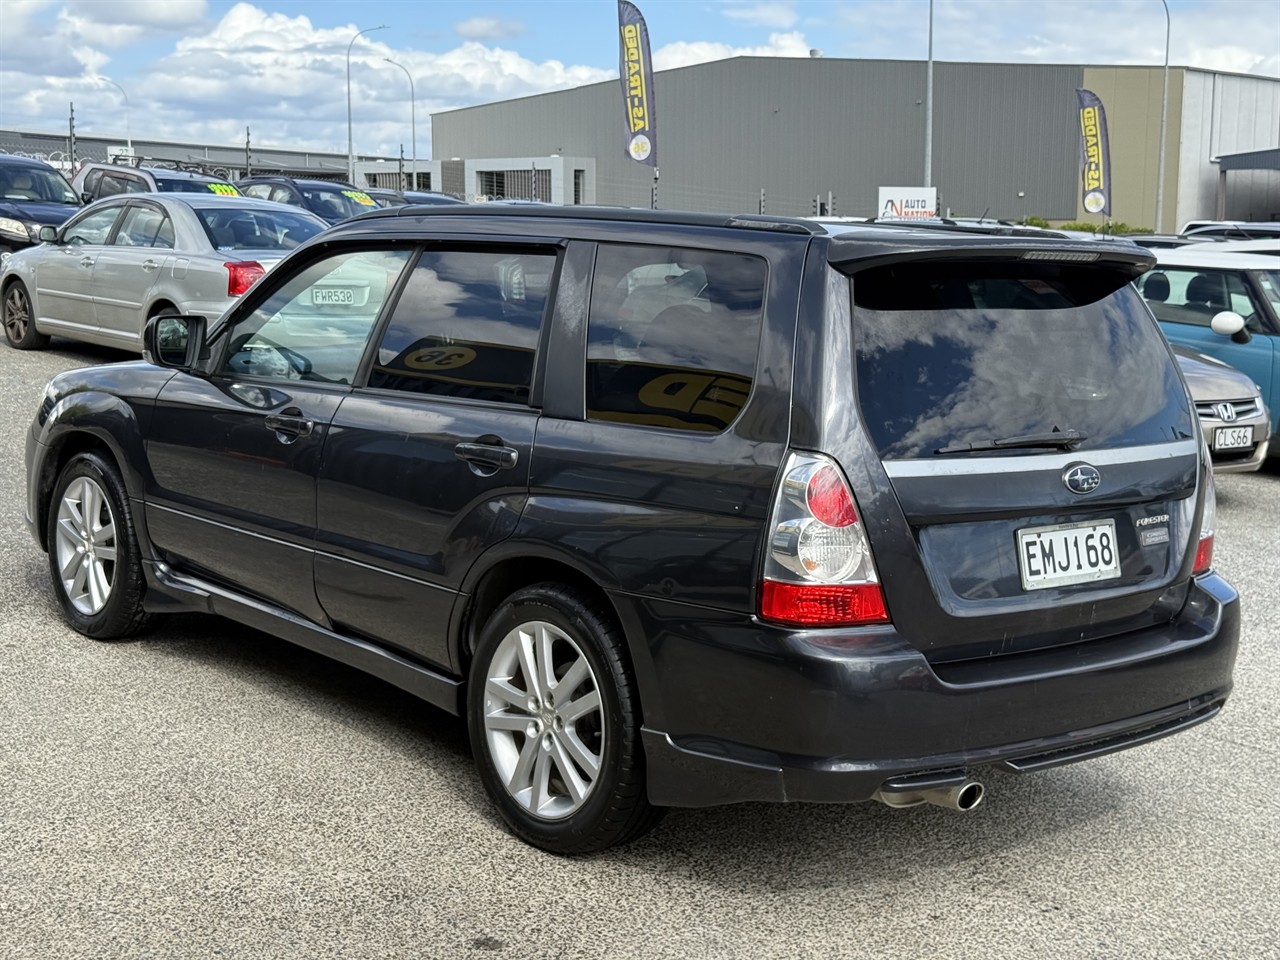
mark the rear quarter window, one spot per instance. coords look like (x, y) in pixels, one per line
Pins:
(673, 336)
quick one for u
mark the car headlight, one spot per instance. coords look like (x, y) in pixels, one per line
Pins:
(15, 228)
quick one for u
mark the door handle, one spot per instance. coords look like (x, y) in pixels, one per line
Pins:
(150, 264)
(492, 455)
(290, 423)
(86, 261)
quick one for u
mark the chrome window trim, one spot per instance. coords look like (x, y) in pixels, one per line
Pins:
(949, 466)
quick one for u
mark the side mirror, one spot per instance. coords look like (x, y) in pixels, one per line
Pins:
(48, 234)
(174, 341)
(86, 196)
(1229, 324)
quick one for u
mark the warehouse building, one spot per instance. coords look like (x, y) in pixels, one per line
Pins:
(791, 136)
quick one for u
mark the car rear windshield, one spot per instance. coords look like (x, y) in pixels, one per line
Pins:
(235, 228)
(336, 202)
(958, 359)
(192, 185)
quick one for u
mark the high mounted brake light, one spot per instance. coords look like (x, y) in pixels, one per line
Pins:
(819, 571)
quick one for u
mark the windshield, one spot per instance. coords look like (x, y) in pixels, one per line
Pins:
(1269, 281)
(35, 183)
(336, 202)
(235, 228)
(968, 364)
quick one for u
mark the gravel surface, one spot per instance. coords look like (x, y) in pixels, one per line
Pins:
(210, 791)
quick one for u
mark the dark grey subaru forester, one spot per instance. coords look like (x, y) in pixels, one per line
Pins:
(675, 509)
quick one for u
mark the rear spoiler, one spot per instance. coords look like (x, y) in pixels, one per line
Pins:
(899, 272)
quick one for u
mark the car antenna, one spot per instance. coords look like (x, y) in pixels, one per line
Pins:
(984, 214)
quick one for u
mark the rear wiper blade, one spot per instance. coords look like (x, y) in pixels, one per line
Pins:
(1061, 439)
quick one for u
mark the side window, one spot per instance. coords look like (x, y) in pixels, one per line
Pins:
(283, 195)
(93, 229)
(316, 324)
(260, 190)
(672, 336)
(1196, 296)
(141, 227)
(91, 181)
(118, 183)
(467, 326)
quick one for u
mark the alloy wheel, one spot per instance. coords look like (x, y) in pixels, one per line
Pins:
(17, 313)
(543, 721)
(86, 545)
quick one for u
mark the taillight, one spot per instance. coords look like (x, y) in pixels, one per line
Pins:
(241, 275)
(1208, 521)
(819, 570)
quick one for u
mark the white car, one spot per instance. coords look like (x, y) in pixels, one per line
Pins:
(1267, 247)
(122, 260)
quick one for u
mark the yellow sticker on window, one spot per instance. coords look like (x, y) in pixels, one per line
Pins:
(225, 189)
(358, 197)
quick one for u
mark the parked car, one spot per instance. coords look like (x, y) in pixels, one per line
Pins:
(675, 509)
(1226, 305)
(1153, 241)
(1235, 231)
(32, 195)
(125, 259)
(431, 197)
(395, 198)
(331, 202)
(1233, 415)
(386, 198)
(1269, 247)
(94, 181)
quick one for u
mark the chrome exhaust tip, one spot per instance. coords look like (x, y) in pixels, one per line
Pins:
(962, 797)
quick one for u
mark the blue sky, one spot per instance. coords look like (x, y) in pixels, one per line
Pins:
(204, 69)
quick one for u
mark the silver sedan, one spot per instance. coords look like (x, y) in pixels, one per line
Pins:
(120, 261)
(1231, 411)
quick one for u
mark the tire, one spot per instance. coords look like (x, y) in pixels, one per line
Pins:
(93, 551)
(566, 775)
(19, 322)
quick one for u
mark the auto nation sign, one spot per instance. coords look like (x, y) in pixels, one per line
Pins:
(908, 203)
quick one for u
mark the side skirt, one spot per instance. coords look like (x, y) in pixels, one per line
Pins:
(172, 592)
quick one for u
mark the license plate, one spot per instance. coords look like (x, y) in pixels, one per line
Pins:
(340, 295)
(1067, 553)
(1232, 438)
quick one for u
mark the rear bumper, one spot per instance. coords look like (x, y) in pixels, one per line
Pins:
(755, 713)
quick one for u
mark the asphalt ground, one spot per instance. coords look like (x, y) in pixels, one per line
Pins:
(210, 791)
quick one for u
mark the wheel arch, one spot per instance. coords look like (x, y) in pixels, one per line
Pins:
(90, 422)
(159, 305)
(511, 566)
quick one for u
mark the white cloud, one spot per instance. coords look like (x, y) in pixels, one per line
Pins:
(488, 28)
(157, 14)
(683, 54)
(780, 16)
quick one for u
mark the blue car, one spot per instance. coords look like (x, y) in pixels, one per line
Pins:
(32, 195)
(1226, 305)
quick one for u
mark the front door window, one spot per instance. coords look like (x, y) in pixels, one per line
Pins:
(315, 326)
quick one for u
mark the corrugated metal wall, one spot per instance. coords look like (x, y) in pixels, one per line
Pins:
(798, 128)
(1221, 114)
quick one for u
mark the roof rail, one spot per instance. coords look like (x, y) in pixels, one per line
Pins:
(209, 169)
(582, 212)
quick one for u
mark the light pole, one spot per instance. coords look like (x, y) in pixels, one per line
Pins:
(413, 121)
(1164, 119)
(128, 141)
(928, 108)
(351, 153)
